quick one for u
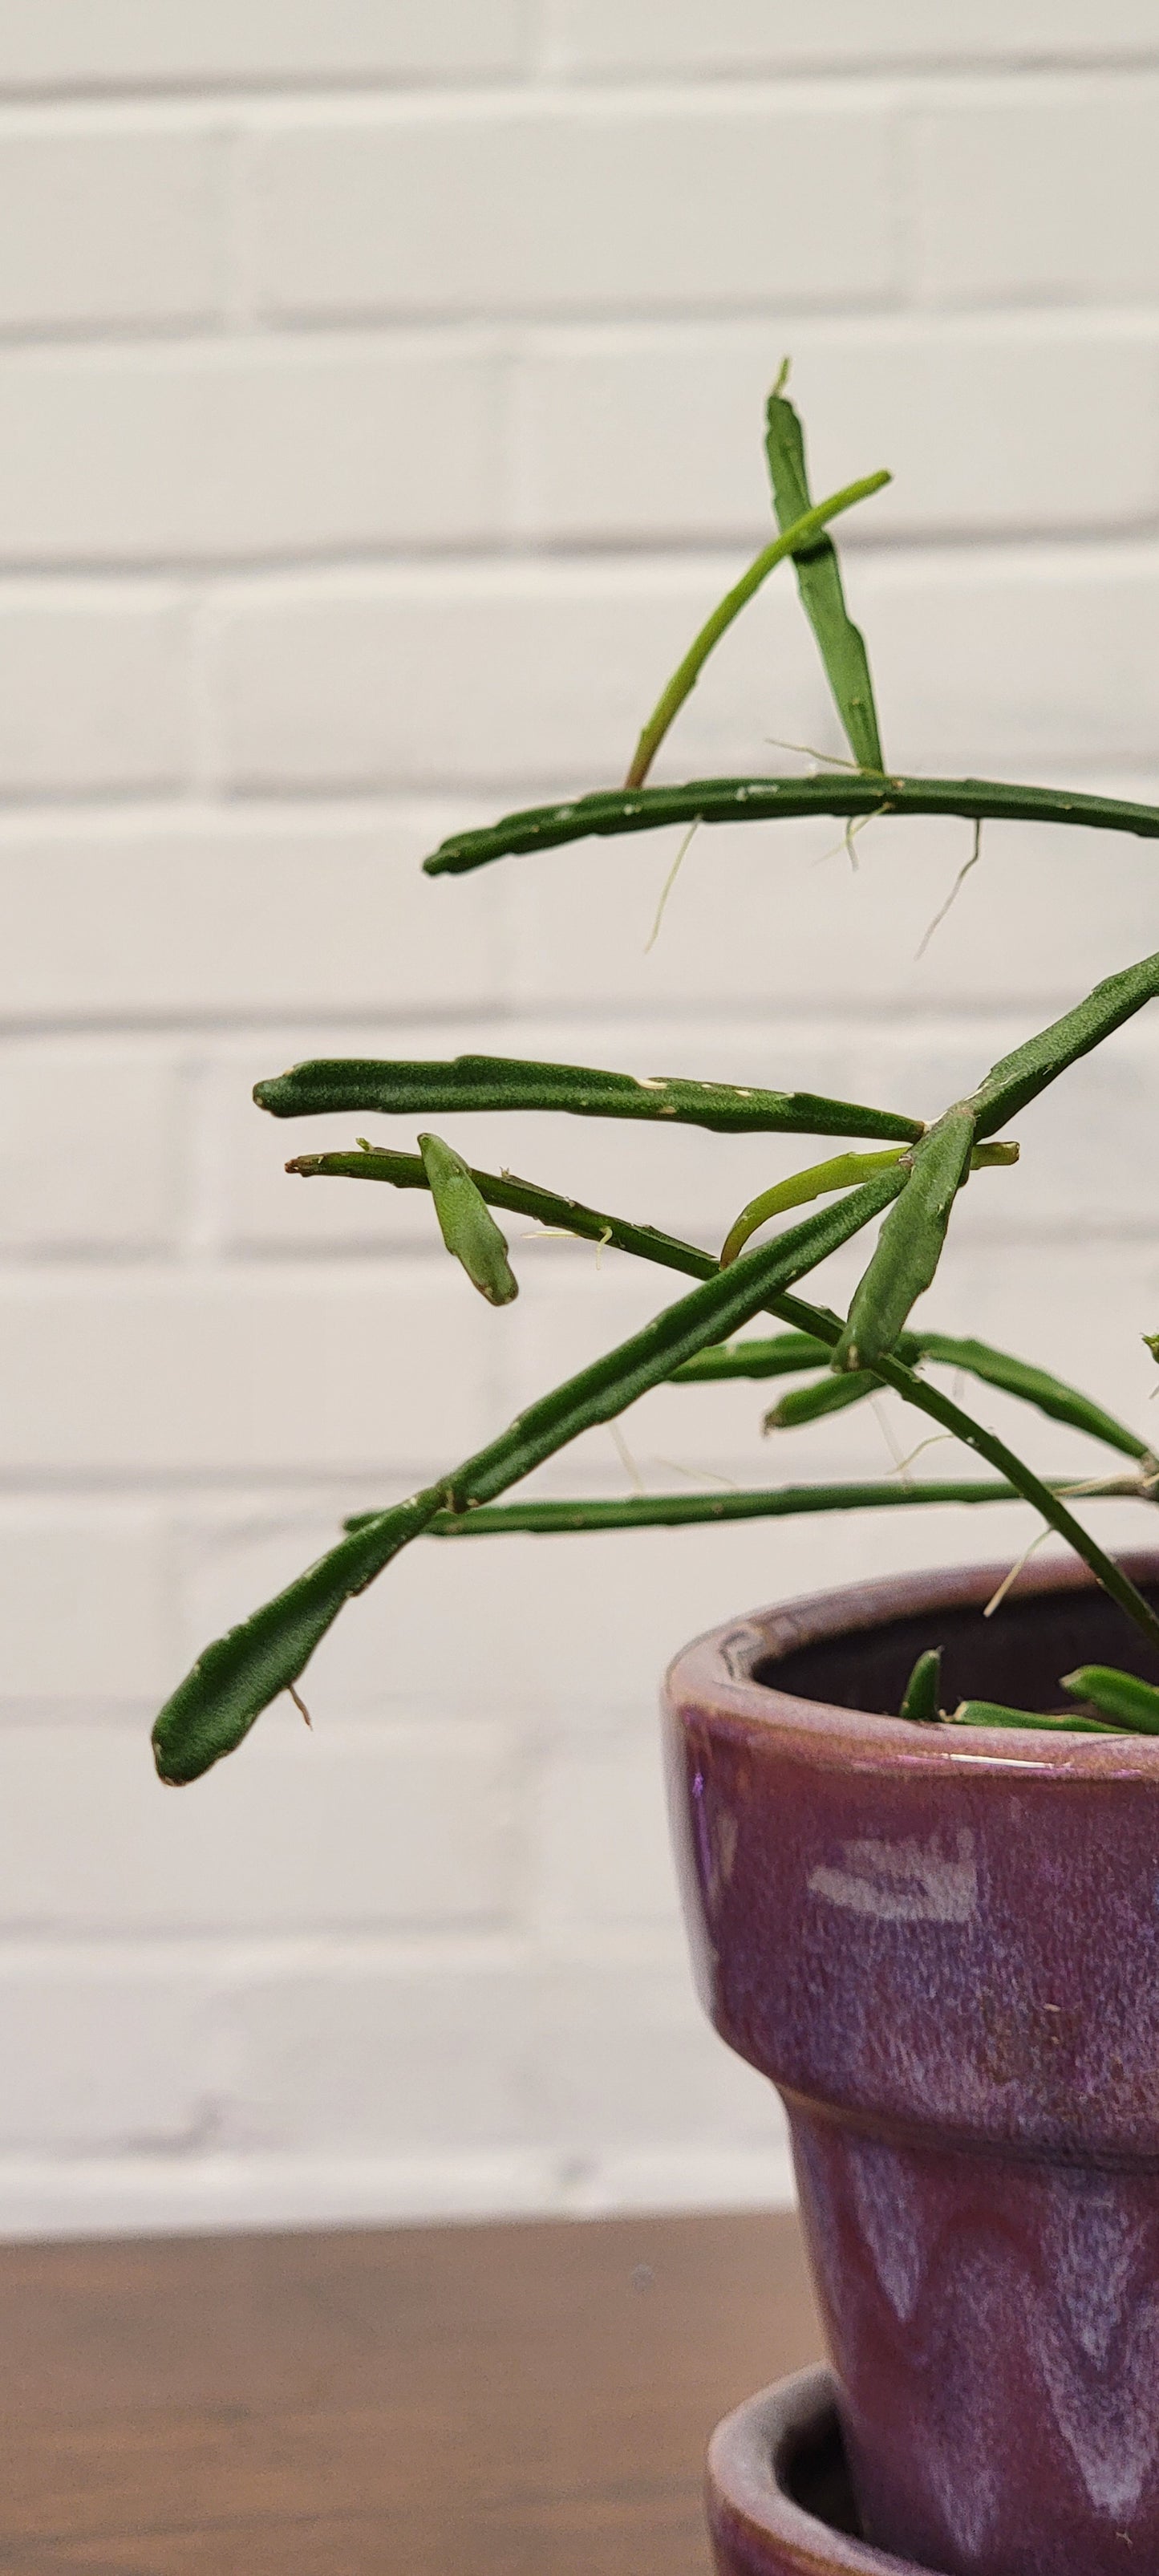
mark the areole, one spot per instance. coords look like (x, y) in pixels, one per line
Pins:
(943, 1948)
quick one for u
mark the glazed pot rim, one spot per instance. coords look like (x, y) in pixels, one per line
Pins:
(716, 1672)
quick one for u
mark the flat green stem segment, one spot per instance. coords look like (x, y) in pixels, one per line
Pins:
(814, 1323)
(920, 1702)
(910, 1243)
(841, 1172)
(761, 800)
(990, 1712)
(1020, 1077)
(841, 643)
(1048, 1504)
(1035, 1386)
(1049, 1395)
(785, 1353)
(610, 1384)
(466, 1224)
(829, 1394)
(216, 1704)
(549, 1208)
(1051, 1507)
(484, 1082)
(679, 1511)
(1121, 1696)
(780, 1356)
(212, 1710)
(804, 530)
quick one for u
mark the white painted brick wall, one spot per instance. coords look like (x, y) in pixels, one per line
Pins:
(81, 1804)
(231, 448)
(68, 45)
(274, 1377)
(380, 410)
(637, 434)
(648, 38)
(112, 222)
(95, 690)
(573, 205)
(233, 915)
(1061, 191)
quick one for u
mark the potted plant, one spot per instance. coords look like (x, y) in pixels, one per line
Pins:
(920, 1847)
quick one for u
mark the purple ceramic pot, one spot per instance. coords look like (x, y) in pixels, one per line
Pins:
(944, 1949)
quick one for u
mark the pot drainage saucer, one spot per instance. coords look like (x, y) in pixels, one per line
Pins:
(779, 2501)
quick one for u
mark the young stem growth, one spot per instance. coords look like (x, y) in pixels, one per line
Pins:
(794, 540)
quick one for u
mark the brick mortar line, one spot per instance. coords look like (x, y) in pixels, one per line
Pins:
(565, 552)
(821, 82)
(212, 90)
(543, 77)
(701, 1020)
(396, 574)
(1060, 541)
(486, 333)
(630, 1023)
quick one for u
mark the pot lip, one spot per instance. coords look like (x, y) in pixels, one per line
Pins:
(712, 1678)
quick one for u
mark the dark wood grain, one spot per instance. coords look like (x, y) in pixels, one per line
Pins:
(527, 2400)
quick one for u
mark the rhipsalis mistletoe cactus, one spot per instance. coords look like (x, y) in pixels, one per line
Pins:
(909, 1177)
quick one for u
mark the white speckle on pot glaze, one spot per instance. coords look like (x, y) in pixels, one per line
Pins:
(967, 2492)
(1097, 2337)
(902, 1882)
(1091, 2248)
(890, 2220)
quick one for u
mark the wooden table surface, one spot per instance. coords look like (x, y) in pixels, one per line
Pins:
(527, 2400)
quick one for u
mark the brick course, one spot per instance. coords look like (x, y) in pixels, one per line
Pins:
(380, 411)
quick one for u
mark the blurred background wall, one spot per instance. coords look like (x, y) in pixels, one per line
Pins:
(380, 412)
